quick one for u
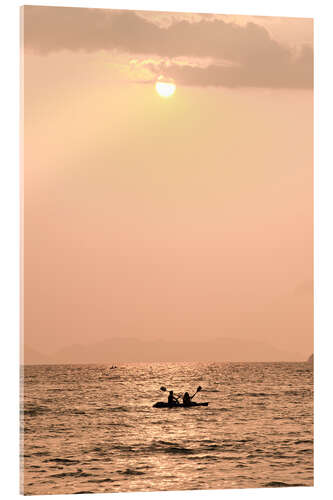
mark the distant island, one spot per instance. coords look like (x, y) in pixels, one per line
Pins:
(133, 350)
(310, 358)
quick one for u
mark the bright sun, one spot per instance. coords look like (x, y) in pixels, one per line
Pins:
(165, 89)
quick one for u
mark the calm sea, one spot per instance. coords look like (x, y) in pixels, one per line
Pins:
(88, 428)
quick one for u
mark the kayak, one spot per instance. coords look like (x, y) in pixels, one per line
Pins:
(163, 404)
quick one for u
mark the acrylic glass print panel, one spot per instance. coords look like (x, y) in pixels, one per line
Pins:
(168, 246)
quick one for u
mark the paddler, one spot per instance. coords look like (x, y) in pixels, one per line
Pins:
(172, 401)
(187, 399)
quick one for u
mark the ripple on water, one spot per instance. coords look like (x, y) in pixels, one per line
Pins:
(110, 430)
(63, 461)
(280, 484)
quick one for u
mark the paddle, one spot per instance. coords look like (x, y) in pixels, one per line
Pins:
(164, 389)
(198, 390)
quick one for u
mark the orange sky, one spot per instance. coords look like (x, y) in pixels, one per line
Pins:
(187, 217)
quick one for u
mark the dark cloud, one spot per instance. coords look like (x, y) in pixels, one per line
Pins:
(256, 59)
(288, 73)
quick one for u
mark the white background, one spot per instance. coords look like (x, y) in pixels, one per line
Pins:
(321, 11)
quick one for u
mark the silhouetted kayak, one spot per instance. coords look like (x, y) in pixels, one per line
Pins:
(162, 404)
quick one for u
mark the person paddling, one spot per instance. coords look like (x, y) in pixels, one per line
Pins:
(187, 399)
(172, 400)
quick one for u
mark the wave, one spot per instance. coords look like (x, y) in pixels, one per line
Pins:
(118, 408)
(214, 458)
(255, 394)
(71, 474)
(280, 484)
(308, 451)
(63, 461)
(181, 450)
(41, 454)
(34, 410)
(105, 480)
(157, 447)
(301, 392)
(71, 411)
(132, 472)
(83, 492)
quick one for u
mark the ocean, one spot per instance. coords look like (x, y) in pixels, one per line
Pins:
(92, 429)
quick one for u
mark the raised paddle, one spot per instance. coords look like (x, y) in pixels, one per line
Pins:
(198, 390)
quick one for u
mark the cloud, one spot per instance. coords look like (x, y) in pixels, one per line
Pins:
(289, 73)
(254, 58)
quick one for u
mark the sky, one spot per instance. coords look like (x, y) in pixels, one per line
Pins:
(176, 219)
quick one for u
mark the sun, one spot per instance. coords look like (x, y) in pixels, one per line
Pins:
(165, 89)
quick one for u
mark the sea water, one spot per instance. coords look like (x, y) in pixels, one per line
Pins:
(89, 428)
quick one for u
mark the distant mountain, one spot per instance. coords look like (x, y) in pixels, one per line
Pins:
(310, 359)
(133, 350)
(33, 357)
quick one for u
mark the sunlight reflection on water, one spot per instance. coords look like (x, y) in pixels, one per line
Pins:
(89, 428)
